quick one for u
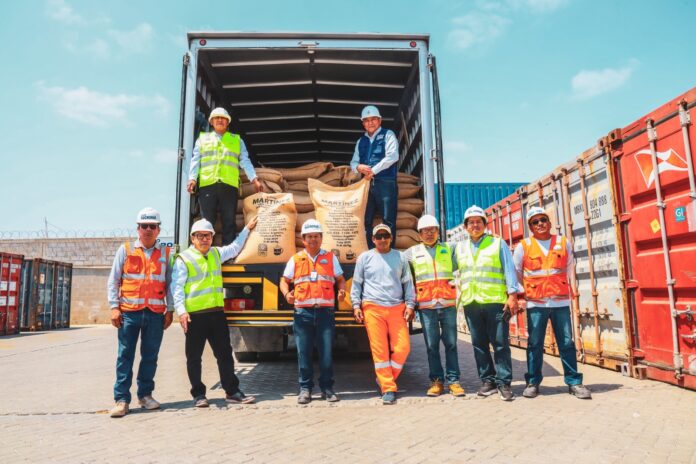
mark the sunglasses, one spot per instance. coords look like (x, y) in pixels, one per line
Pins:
(542, 220)
(148, 226)
(203, 236)
(382, 236)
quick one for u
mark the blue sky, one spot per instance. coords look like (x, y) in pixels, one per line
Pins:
(90, 90)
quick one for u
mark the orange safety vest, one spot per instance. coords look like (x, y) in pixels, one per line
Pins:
(143, 283)
(314, 289)
(545, 275)
(433, 276)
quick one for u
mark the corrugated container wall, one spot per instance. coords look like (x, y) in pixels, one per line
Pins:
(45, 301)
(458, 197)
(10, 291)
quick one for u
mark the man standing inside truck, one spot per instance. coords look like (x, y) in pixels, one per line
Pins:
(214, 169)
(137, 289)
(375, 156)
(544, 262)
(383, 299)
(314, 272)
(199, 302)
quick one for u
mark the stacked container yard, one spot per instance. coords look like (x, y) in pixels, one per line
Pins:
(10, 291)
(45, 301)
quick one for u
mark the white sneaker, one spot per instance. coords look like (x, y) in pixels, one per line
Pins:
(148, 402)
(120, 409)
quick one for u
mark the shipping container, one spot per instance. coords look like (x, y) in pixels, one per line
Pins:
(45, 302)
(656, 193)
(10, 291)
(459, 196)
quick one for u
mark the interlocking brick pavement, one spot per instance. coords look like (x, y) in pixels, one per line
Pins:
(56, 387)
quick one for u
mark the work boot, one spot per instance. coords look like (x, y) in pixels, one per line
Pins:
(120, 409)
(239, 398)
(200, 402)
(531, 391)
(329, 395)
(456, 389)
(506, 393)
(389, 398)
(305, 397)
(487, 389)
(580, 391)
(148, 402)
(436, 388)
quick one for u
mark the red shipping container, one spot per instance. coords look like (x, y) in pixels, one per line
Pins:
(655, 184)
(10, 291)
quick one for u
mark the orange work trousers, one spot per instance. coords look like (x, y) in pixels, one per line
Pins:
(389, 341)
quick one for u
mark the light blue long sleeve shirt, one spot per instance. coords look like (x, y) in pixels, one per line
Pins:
(382, 278)
(113, 284)
(511, 282)
(391, 152)
(180, 271)
(244, 160)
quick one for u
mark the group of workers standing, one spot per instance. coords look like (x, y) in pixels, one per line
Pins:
(478, 275)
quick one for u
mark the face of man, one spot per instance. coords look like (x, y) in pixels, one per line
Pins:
(202, 241)
(219, 124)
(429, 235)
(147, 233)
(371, 124)
(312, 243)
(382, 240)
(476, 227)
(540, 226)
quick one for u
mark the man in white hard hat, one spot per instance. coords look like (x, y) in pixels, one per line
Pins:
(137, 291)
(314, 273)
(488, 290)
(215, 162)
(383, 298)
(544, 263)
(199, 302)
(433, 265)
(375, 156)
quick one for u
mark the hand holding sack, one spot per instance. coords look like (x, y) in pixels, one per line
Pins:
(273, 238)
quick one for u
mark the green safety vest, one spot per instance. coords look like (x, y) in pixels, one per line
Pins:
(432, 276)
(203, 287)
(481, 277)
(219, 159)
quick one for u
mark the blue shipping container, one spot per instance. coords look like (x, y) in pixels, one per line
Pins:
(458, 197)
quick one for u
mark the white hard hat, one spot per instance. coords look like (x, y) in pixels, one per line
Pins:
(311, 226)
(219, 113)
(474, 211)
(370, 111)
(534, 211)
(202, 225)
(427, 221)
(148, 216)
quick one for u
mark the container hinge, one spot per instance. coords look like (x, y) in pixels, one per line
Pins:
(661, 205)
(684, 116)
(672, 282)
(187, 59)
(652, 132)
(182, 153)
(433, 154)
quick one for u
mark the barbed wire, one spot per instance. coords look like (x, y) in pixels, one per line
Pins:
(57, 234)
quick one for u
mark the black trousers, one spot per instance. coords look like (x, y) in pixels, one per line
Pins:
(223, 198)
(210, 327)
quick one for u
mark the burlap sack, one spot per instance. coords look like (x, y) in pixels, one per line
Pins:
(264, 174)
(405, 220)
(239, 220)
(333, 178)
(303, 202)
(411, 205)
(408, 191)
(301, 218)
(403, 178)
(350, 177)
(298, 185)
(248, 188)
(298, 241)
(240, 207)
(273, 238)
(312, 170)
(341, 212)
(406, 238)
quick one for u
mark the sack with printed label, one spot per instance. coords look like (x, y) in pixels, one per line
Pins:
(273, 238)
(341, 213)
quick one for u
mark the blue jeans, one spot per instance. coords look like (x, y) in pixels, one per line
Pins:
(487, 328)
(381, 200)
(150, 328)
(314, 326)
(537, 319)
(441, 324)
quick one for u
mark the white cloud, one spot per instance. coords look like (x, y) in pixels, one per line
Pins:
(61, 11)
(137, 40)
(591, 83)
(537, 6)
(98, 47)
(98, 109)
(476, 27)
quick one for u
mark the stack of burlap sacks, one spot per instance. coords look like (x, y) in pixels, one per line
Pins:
(294, 180)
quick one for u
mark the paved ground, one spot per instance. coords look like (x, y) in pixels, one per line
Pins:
(55, 388)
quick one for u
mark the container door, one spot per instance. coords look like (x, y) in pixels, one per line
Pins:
(439, 163)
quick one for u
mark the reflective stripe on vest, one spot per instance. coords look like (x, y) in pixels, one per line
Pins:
(545, 276)
(481, 277)
(219, 159)
(433, 276)
(319, 292)
(143, 281)
(203, 289)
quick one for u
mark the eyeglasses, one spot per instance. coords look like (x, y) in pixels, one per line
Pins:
(382, 236)
(541, 220)
(148, 226)
(203, 236)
